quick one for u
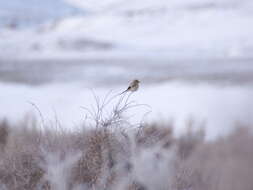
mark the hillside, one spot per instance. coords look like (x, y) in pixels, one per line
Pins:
(135, 28)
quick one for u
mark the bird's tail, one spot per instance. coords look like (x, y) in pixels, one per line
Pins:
(125, 90)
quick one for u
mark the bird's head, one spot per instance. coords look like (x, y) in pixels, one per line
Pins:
(136, 81)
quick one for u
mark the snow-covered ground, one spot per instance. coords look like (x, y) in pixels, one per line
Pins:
(28, 13)
(194, 58)
(192, 28)
(218, 107)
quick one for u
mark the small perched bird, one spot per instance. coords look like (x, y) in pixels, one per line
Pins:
(134, 85)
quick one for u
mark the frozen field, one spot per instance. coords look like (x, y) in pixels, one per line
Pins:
(194, 58)
(175, 90)
(174, 29)
(61, 59)
(109, 72)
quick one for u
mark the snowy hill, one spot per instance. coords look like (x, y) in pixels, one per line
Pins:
(33, 12)
(185, 28)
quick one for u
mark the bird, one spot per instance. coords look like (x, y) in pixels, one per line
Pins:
(133, 86)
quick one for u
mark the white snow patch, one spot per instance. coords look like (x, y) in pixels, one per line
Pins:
(220, 107)
(169, 28)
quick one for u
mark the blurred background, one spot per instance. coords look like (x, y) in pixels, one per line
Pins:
(193, 57)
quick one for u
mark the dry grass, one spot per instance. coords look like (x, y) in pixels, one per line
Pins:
(4, 133)
(104, 158)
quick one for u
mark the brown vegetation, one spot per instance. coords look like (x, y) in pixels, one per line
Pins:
(112, 158)
(148, 158)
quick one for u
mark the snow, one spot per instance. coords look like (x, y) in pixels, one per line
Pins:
(33, 12)
(219, 107)
(172, 28)
(199, 32)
